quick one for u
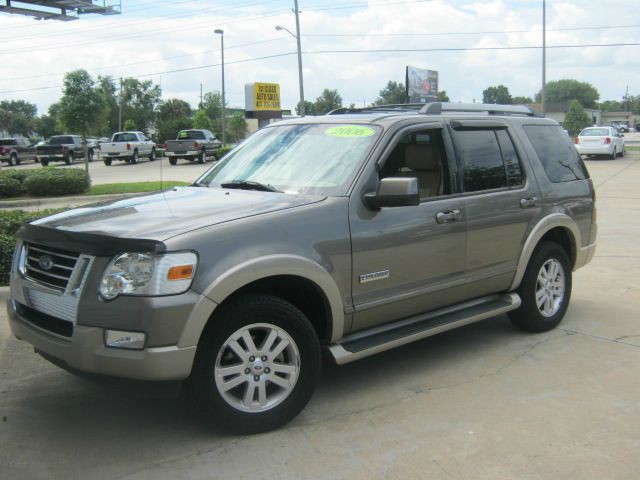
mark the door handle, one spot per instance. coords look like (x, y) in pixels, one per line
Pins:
(529, 202)
(448, 216)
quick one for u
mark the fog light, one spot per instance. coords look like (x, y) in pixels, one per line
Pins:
(121, 339)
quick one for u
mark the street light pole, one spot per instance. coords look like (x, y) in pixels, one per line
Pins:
(297, 37)
(544, 54)
(224, 133)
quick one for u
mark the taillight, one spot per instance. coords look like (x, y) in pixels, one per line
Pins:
(607, 140)
(128, 146)
(3, 150)
(577, 140)
(196, 145)
(165, 146)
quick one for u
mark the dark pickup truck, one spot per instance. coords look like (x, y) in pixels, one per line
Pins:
(15, 150)
(192, 145)
(62, 148)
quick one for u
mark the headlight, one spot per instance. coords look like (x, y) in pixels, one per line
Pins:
(148, 274)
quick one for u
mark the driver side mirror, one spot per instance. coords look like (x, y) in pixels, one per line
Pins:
(394, 192)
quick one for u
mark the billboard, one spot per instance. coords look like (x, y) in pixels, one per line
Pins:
(422, 85)
(261, 97)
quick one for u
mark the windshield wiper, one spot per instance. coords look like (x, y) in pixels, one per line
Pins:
(249, 185)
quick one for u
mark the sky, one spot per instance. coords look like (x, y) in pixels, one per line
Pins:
(354, 46)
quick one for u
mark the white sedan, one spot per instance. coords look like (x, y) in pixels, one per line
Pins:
(600, 141)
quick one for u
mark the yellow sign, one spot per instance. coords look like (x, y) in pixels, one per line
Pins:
(266, 96)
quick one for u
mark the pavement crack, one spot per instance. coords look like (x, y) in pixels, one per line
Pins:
(606, 339)
(527, 352)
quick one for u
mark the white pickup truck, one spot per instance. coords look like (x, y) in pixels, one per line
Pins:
(127, 146)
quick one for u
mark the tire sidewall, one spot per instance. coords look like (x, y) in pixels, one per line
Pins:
(529, 316)
(254, 309)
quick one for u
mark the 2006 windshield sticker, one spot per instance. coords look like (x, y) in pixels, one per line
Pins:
(349, 131)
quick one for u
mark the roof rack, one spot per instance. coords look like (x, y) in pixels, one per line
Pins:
(392, 108)
(437, 108)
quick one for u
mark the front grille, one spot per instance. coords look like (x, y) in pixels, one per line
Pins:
(50, 266)
(44, 321)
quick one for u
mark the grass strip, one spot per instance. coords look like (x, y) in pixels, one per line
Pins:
(135, 187)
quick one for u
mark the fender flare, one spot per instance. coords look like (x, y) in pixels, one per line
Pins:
(247, 272)
(542, 227)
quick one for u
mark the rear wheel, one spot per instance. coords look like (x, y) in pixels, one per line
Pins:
(614, 154)
(69, 159)
(13, 159)
(622, 152)
(173, 160)
(90, 155)
(44, 162)
(152, 155)
(107, 162)
(202, 156)
(545, 289)
(134, 158)
(256, 366)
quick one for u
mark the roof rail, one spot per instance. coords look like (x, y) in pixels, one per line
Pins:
(397, 107)
(437, 108)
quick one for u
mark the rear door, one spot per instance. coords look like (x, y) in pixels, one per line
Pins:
(501, 202)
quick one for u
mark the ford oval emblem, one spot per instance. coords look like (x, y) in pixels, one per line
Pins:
(45, 262)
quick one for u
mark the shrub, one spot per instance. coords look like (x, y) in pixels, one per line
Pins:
(10, 222)
(51, 182)
(9, 187)
(19, 175)
(222, 151)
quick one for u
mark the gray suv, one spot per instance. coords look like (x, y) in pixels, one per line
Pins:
(350, 233)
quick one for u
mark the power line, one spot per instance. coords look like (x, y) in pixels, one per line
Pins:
(389, 50)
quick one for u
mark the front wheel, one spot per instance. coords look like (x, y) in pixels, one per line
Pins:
(13, 159)
(69, 159)
(90, 155)
(44, 162)
(202, 157)
(152, 155)
(257, 365)
(545, 289)
(107, 162)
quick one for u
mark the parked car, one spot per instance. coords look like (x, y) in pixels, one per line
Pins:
(352, 233)
(127, 146)
(62, 148)
(16, 150)
(192, 145)
(600, 141)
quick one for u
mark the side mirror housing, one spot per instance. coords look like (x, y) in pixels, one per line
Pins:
(394, 192)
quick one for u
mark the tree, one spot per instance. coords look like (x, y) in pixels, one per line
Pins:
(568, 89)
(17, 117)
(442, 96)
(612, 106)
(576, 118)
(129, 124)
(80, 106)
(237, 126)
(202, 121)
(173, 115)
(309, 108)
(393, 93)
(140, 102)
(327, 101)
(45, 126)
(109, 121)
(499, 94)
(522, 100)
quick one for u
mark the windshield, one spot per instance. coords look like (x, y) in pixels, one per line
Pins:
(594, 132)
(302, 159)
(60, 140)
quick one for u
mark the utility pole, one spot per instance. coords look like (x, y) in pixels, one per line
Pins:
(224, 133)
(544, 53)
(626, 99)
(302, 109)
(120, 108)
(201, 101)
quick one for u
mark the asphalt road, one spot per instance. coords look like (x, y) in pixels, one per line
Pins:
(482, 402)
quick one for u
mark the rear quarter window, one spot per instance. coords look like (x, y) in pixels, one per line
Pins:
(558, 156)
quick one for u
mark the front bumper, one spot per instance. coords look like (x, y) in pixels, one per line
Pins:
(85, 351)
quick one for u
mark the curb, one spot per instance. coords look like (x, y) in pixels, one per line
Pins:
(50, 202)
(4, 294)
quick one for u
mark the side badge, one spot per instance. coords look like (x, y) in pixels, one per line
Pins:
(372, 277)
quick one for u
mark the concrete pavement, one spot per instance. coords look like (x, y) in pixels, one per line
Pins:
(482, 402)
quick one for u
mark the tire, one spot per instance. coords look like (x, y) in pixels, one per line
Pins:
(135, 157)
(13, 160)
(69, 159)
(554, 290)
(222, 346)
(152, 155)
(621, 154)
(173, 160)
(614, 154)
(90, 155)
(44, 162)
(107, 162)
(202, 157)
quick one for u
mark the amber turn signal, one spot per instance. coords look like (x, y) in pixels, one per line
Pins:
(180, 272)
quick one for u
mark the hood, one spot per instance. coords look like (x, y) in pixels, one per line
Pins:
(160, 216)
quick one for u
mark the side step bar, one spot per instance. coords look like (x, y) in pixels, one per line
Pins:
(378, 339)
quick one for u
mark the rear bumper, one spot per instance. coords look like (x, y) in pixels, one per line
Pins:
(85, 351)
(188, 153)
(599, 150)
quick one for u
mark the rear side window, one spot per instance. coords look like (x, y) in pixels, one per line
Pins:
(510, 157)
(558, 156)
(10, 141)
(481, 158)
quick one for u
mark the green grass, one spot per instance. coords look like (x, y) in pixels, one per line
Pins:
(136, 187)
(632, 148)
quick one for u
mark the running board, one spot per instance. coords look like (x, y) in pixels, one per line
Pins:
(378, 339)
